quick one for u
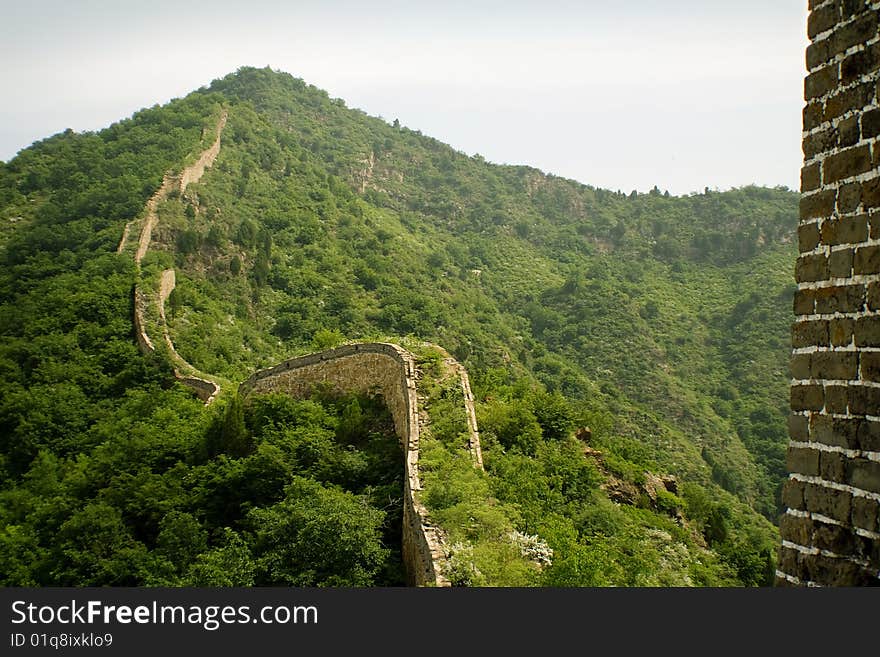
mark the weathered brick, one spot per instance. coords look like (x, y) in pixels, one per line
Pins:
(837, 432)
(822, 20)
(820, 142)
(864, 400)
(836, 399)
(813, 115)
(849, 197)
(869, 436)
(850, 99)
(811, 177)
(836, 365)
(844, 164)
(833, 538)
(795, 529)
(871, 124)
(807, 398)
(810, 333)
(803, 461)
(831, 571)
(805, 302)
(867, 332)
(832, 466)
(818, 205)
(864, 474)
(848, 132)
(843, 299)
(873, 297)
(865, 512)
(818, 53)
(793, 494)
(808, 236)
(859, 64)
(869, 366)
(850, 8)
(867, 260)
(811, 268)
(822, 81)
(799, 427)
(858, 31)
(840, 331)
(840, 263)
(846, 230)
(829, 502)
(800, 366)
(789, 562)
(871, 190)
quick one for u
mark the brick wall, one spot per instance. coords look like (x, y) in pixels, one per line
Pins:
(831, 529)
(388, 370)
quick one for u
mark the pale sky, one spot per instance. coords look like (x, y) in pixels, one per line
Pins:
(682, 94)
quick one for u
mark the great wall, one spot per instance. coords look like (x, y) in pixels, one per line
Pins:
(831, 526)
(382, 369)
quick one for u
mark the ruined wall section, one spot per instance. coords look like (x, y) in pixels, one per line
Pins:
(831, 526)
(390, 371)
(204, 388)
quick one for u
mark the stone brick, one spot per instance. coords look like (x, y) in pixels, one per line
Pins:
(848, 132)
(859, 64)
(820, 142)
(813, 115)
(822, 20)
(799, 427)
(858, 31)
(869, 366)
(873, 296)
(795, 529)
(832, 466)
(871, 124)
(836, 432)
(811, 268)
(808, 237)
(864, 474)
(835, 504)
(847, 230)
(789, 562)
(818, 53)
(811, 177)
(840, 263)
(867, 260)
(807, 398)
(871, 190)
(793, 494)
(850, 8)
(874, 219)
(840, 331)
(869, 436)
(865, 512)
(818, 205)
(843, 299)
(867, 332)
(836, 399)
(837, 365)
(809, 333)
(821, 82)
(832, 571)
(849, 197)
(844, 164)
(864, 400)
(850, 99)
(803, 461)
(805, 302)
(800, 366)
(833, 538)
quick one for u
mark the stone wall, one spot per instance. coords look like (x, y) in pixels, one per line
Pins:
(390, 371)
(831, 526)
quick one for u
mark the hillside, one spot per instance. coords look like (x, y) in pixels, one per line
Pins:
(660, 323)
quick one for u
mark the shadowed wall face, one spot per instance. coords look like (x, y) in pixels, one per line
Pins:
(831, 529)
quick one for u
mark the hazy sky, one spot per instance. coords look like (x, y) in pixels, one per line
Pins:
(681, 94)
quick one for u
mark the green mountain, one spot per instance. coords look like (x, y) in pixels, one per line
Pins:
(628, 355)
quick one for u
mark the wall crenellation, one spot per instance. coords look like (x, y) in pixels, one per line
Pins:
(831, 527)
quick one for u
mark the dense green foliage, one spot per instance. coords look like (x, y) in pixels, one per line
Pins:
(659, 322)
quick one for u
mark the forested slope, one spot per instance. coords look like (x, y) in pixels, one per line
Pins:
(661, 323)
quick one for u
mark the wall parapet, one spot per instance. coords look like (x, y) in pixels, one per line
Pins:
(390, 371)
